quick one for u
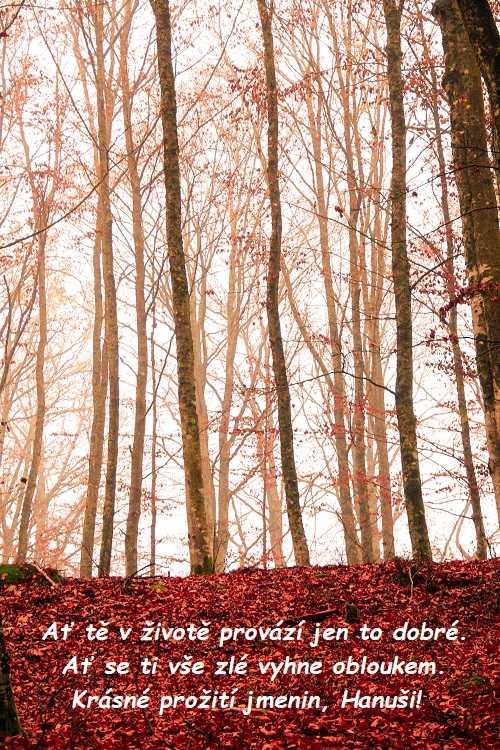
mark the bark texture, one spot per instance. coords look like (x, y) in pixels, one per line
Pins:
(137, 459)
(233, 312)
(452, 286)
(99, 391)
(348, 519)
(301, 551)
(201, 558)
(110, 305)
(484, 38)
(29, 493)
(476, 191)
(412, 484)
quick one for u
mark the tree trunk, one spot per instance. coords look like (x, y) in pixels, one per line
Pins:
(273, 502)
(201, 559)
(266, 435)
(271, 491)
(476, 191)
(36, 454)
(372, 487)
(484, 38)
(17, 488)
(337, 389)
(294, 512)
(41, 512)
(339, 397)
(366, 520)
(233, 304)
(99, 391)
(110, 307)
(134, 508)
(154, 442)
(474, 496)
(475, 499)
(198, 314)
(376, 397)
(358, 418)
(401, 279)
(354, 190)
(374, 371)
(9, 720)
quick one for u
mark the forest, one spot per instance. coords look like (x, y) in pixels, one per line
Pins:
(242, 323)
(249, 295)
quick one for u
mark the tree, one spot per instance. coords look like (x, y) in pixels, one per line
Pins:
(274, 325)
(337, 381)
(481, 233)
(43, 185)
(99, 348)
(99, 391)
(401, 278)
(200, 546)
(451, 286)
(140, 306)
(110, 304)
(484, 38)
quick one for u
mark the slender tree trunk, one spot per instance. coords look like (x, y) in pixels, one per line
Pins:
(41, 202)
(99, 391)
(198, 314)
(372, 488)
(134, 508)
(339, 396)
(232, 315)
(9, 533)
(401, 278)
(299, 541)
(9, 720)
(358, 419)
(7, 401)
(206, 464)
(36, 454)
(110, 306)
(201, 559)
(376, 397)
(481, 233)
(354, 189)
(375, 389)
(41, 511)
(99, 351)
(154, 442)
(474, 496)
(271, 492)
(273, 501)
(337, 389)
(350, 143)
(266, 435)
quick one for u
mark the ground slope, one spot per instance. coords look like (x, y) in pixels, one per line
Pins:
(458, 703)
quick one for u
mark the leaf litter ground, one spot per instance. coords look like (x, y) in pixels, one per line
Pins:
(458, 710)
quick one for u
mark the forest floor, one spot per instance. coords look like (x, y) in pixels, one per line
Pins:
(457, 703)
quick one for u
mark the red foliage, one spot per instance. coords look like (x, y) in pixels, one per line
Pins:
(492, 290)
(457, 709)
